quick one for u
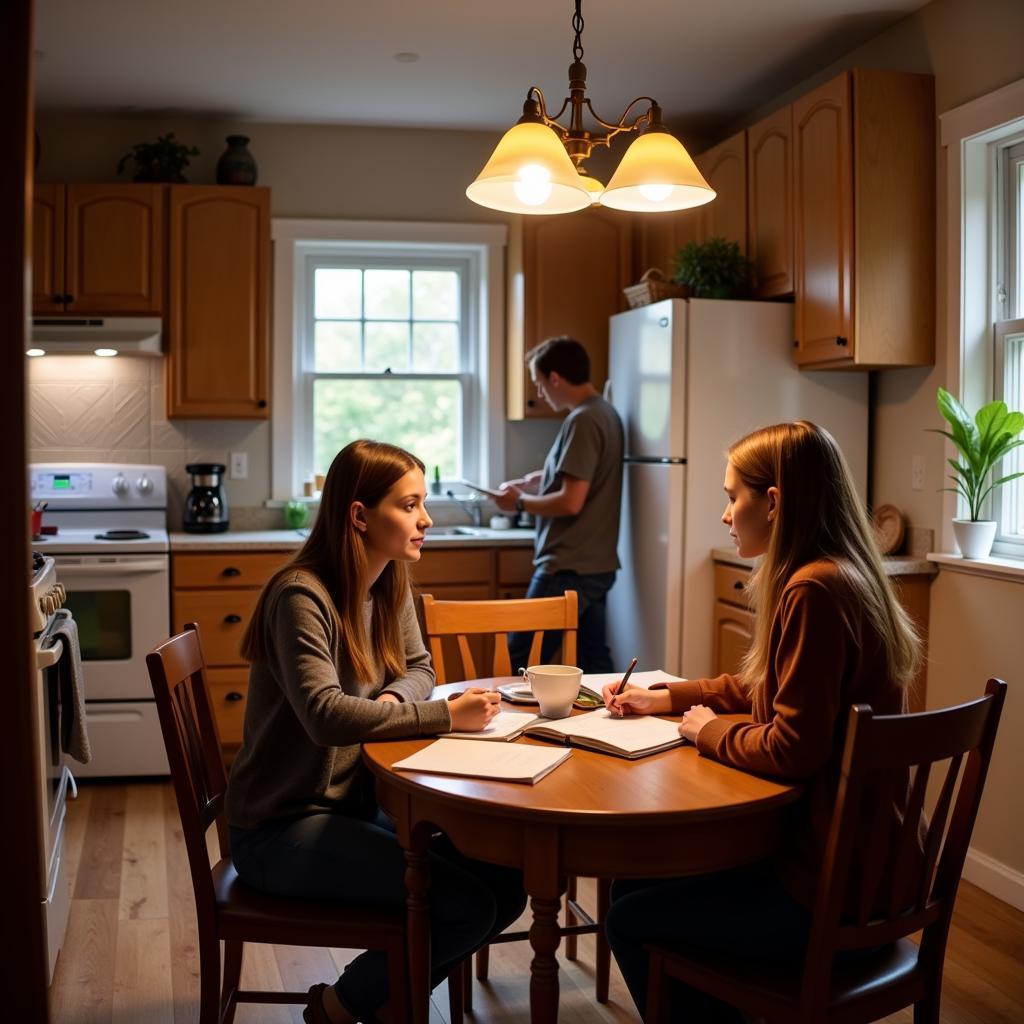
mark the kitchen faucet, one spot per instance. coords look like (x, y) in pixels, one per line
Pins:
(471, 508)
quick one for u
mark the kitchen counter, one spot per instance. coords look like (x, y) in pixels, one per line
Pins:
(900, 565)
(292, 540)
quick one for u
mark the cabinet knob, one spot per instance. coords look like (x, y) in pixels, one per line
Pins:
(840, 341)
(233, 696)
(57, 299)
(231, 571)
(261, 404)
(530, 403)
(796, 344)
(738, 585)
(232, 619)
(68, 299)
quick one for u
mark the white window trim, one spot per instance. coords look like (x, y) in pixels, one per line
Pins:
(966, 134)
(482, 244)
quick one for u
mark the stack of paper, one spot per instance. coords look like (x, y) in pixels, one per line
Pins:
(510, 762)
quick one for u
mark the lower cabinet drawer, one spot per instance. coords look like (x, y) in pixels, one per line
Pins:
(515, 565)
(222, 616)
(731, 584)
(229, 689)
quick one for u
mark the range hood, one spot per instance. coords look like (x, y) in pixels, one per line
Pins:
(96, 335)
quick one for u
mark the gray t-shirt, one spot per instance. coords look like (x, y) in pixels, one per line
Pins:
(589, 446)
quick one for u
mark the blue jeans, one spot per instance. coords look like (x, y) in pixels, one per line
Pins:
(592, 644)
(336, 857)
(746, 911)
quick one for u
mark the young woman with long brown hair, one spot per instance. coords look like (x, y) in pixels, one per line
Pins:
(828, 633)
(337, 659)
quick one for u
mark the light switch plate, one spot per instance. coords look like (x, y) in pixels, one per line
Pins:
(239, 465)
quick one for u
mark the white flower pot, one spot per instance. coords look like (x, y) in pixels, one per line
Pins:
(974, 537)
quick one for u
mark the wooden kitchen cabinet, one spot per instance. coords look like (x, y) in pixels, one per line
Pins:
(219, 591)
(725, 169)
(218, 302)
(98, 249)
(566, 276)
(864, 221)
(770, 203)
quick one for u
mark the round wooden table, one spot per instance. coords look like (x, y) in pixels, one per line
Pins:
(673, 813)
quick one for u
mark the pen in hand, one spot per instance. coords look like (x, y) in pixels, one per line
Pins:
(625, 678)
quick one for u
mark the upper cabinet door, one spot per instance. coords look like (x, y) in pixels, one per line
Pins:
(566, 277)
(770, 202)
(115, 249)
(725, 168)
(218, 302)
(48, 249)
(823, 188)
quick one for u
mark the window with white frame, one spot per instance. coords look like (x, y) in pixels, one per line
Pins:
(389, 331)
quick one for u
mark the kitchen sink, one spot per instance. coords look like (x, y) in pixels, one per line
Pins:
(451, 532)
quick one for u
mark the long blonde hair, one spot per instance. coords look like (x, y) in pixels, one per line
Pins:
(335, 552)
(819, 516)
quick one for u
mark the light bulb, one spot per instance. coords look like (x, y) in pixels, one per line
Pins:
(655, 193)
(34, 352)
(106, 353)
(534, 185)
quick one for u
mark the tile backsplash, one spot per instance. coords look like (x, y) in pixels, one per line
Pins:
(88, 409)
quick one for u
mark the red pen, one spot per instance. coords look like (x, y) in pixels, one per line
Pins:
(625, 678)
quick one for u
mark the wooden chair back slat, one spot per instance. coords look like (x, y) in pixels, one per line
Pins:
(464, 619)
(876, 853)
(906, 845)
(937, 828)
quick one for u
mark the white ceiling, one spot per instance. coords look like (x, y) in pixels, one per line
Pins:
(333, 61)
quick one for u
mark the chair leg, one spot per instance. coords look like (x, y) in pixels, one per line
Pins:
(456, 993)
(602, 954)
(233, 951)
(209, 980)
(467, 984)
(483, 960)
(926, 1011)
(658, 991)
(570, 918)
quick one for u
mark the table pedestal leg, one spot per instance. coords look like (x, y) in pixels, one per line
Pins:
(417, 879)
(544, 967)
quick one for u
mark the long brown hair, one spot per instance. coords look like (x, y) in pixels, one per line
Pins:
(819, 516)
(335, 552)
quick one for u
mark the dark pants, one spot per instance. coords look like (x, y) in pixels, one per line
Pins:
(746, 912)
(593, 653)
(334, 857)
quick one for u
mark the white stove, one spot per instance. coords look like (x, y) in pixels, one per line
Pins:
(111, 553)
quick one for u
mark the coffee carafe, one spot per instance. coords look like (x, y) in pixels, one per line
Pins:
(206, 506)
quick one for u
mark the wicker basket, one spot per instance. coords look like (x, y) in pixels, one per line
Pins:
(653, 288)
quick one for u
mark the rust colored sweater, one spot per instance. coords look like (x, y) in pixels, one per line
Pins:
(825, 656)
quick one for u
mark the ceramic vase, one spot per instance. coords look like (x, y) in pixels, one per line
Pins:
(974, 537)
(236, 165)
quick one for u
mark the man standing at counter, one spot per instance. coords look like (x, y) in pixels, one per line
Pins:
(576, 499)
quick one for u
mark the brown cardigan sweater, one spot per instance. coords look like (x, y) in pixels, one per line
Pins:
(824, 657)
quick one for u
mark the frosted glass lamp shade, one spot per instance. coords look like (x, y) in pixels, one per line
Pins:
(656, 174)
(530, 172)
(593, 186)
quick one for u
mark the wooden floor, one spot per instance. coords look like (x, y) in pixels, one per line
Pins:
(130, 957)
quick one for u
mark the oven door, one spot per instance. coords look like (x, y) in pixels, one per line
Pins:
(122, 606)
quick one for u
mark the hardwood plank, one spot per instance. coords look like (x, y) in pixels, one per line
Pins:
(142, 983)
(181, 912)
(99, 868)
(260, 971)
(144, 862)
(83, 983)
(74, 832)
(302, 967)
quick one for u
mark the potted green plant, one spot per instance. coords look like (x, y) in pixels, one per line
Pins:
(981, 442)
(163, 160)
(715, 269)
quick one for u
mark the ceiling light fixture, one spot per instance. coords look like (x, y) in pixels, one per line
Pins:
(537, 167)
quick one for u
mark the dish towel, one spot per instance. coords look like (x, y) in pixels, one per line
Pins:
(74, 739)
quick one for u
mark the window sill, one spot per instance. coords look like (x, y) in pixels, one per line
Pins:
(992, 567)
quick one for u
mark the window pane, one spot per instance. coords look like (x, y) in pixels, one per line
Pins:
(337, 346)
(387, 294)
(435, 348)
(1013, 394)
(387, 347)
(423, 417)
(337, 293)
(435, 295)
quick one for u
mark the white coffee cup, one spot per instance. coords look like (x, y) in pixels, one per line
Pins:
(555, 687)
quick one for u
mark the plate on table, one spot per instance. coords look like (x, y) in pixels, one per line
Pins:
(520, 693)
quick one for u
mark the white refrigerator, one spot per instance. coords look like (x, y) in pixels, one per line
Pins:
(689, 377)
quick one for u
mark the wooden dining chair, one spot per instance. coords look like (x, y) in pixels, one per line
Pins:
(497, 619)
(890, 970)
(227, 909)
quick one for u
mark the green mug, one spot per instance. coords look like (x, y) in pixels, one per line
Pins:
(296, 514)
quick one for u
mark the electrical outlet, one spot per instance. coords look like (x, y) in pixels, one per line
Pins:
(239, 465)
(917, 466)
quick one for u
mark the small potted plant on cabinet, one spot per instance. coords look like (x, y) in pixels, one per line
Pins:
(163, 160)
(981, 442)
(715, 269)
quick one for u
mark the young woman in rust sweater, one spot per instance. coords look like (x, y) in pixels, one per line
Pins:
(828, 633)
(338, 659)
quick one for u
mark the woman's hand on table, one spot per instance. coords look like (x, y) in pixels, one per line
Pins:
(636, 701)
(473, 709)
(694, 720)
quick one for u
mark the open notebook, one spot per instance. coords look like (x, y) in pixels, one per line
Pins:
(511, 762)
(630, 737)
(505, 725)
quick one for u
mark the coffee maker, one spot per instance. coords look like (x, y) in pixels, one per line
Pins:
(206, 506)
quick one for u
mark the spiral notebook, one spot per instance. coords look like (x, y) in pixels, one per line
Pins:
(631, 737)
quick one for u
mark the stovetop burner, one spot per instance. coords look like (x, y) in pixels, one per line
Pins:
(123, 535)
